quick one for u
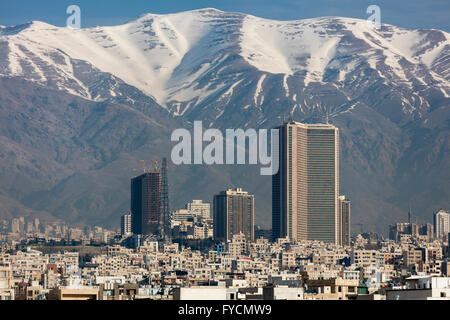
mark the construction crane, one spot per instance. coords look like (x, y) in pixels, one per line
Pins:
(161, 166)
(360, 225)
(146, 167)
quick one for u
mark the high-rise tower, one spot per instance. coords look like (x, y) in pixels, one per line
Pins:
(234, 214)
(305, 191)
(146, 203)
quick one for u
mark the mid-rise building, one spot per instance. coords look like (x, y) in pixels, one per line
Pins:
(441, 224)
(233, 214)
(182, 215)
(411, 230)
(15, 226)
(199, 208)
(125, 225)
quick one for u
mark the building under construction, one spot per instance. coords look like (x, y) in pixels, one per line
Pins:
(150, 202)
(146, 203)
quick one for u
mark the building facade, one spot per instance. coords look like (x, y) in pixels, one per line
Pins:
(441, 223)
(182, 215)
(305, 191)
(234, 214)
(344, 221)
(125, 225)
(146, 203)
(199, 208)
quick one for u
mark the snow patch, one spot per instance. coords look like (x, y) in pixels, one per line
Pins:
(259, 90)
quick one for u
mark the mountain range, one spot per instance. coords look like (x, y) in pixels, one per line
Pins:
(80, 107)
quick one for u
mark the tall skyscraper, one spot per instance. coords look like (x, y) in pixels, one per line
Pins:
(125, 225)
(305, 191)
(441, 223)
(344, 221)
(146, 203)
(234, 214)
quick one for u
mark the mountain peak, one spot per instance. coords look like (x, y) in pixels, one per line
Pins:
(161, 54)
(40, 25)
(207, 10)
(195, 11)
(29, 26)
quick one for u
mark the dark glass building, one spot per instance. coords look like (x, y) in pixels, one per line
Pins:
(146, 203)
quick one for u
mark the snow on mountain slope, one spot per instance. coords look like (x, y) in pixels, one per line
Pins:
(186, 59)
(309, 45)
(274, 47)
(143, 53)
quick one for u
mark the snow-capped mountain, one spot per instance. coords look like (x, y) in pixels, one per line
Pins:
(186, 59)
(388, 90)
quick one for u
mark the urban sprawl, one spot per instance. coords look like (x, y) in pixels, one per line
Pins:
(215, 252)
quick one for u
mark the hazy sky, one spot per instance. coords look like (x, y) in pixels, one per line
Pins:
(412, 14)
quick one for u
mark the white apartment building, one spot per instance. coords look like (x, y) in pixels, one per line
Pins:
(422, 288)
(182, 215)
(200, 209)
(441, 224)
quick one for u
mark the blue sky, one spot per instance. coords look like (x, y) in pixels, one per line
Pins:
(412, 14)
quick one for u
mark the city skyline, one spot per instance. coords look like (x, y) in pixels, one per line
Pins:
(300, 152)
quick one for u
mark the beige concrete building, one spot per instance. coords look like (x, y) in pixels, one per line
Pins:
(234, 213)
(305, 191)
(6, 282)
(200, 209)
(86, 293)
(332, 289)
(441, 224)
